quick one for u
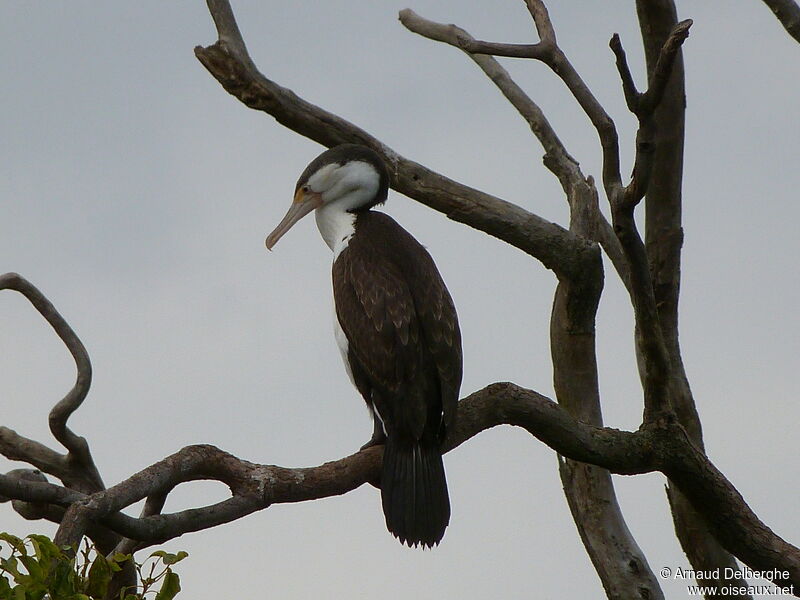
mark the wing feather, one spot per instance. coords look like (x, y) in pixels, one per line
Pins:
(401, 325)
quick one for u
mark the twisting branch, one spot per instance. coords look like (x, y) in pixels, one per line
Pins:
(650, 338)
(16, 447)
(83, 507)
(663, 241)
(561, 66)
(227, 60)
(557, 159)
(79, 460)
(255, 487)
(788, 13)
(589, 489)
(644, 105)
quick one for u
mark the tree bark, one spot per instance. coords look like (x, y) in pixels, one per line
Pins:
(663, 240)
(711, 518)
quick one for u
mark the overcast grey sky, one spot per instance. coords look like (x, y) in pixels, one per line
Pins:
(136, 194)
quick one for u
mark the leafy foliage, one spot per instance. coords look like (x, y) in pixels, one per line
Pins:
(34, 568)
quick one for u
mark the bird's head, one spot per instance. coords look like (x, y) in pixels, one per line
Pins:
(350, 177)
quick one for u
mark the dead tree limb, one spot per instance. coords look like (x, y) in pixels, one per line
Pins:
(589, 490)
(227, 60)
(663, 242)
(254, 487)
(788, 13)
(573, 427)
(76, 468)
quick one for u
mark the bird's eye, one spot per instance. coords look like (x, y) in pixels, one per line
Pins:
(306, 189)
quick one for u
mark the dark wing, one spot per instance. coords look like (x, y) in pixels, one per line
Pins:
(439, 324)
(401, 324)
(376, 311)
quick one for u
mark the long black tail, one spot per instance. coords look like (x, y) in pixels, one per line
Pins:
(414, 492)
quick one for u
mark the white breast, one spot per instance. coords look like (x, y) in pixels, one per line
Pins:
(336, 227)
(344, 345)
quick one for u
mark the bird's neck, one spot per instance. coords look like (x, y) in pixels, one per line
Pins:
(336, 226)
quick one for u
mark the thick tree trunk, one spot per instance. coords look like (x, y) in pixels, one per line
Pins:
(663, 240)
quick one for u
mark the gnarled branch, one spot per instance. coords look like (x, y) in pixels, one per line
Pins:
(788, 13)
(256, 487)
(227, 60)
(77, 468)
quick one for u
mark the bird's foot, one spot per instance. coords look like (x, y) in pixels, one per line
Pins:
(378, 439)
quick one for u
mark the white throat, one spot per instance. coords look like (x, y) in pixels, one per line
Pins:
(336, 226)
(342, 188)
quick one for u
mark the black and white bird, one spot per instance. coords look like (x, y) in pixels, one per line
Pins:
(397, 329)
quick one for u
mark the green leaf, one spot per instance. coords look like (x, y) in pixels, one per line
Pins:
(35, 570)
(14, 542)
(170, 587)
(120, 557)
(44, 547)
(99, 577)
(63, 579)
(10, 566)
(168, 558)
(171, 559)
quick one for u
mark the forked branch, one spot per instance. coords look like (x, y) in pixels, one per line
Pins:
(664, 448)
(227, 60)
(254, 487)
(77, 468)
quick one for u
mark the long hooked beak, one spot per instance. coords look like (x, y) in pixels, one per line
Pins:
(304, 202)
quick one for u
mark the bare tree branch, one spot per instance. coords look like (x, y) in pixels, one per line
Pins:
(542, 20)
(788, 13)
(656, 363)
(632, 95)
(13, 487)
(471, 46)
(549, 53)
(664, 237)
(541, 51)
(255, 487)
(567, 171)
(16, 447)
(645, 104)
(616, 556)
(554, 246)
(557, 159)
(561, 66)
(573, 428)
(79, 457)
